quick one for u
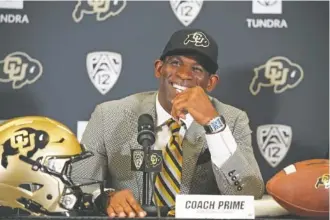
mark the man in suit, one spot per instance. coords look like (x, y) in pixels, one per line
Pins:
(206, 146)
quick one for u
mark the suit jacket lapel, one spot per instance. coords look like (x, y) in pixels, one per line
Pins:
(191, 147)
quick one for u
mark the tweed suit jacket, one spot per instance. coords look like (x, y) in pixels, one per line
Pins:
(112, 132)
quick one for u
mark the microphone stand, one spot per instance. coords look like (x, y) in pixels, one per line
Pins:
(146, 176)
(152, 162)
(148, 168)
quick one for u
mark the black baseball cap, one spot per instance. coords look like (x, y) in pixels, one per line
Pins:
(194, 42)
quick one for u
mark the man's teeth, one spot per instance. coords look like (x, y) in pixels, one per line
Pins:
(179, 88)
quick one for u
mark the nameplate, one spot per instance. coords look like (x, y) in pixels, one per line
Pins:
(214, 207)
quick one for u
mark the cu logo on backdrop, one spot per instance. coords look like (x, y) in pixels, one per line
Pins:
(103, 9)
(279, 73)
(20, 69)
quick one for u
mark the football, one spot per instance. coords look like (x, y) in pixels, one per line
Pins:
(302, 188)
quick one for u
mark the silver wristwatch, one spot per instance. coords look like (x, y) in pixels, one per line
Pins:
(216, 125)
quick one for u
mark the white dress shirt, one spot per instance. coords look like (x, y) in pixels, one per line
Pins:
(221, 145)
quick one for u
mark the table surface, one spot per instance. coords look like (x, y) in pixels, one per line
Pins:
(8, 214)
(289, 217)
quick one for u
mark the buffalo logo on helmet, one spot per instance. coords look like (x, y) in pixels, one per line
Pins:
(25, 140)
(279, 73)
(20, 69)
(323, 181)
(102, 8)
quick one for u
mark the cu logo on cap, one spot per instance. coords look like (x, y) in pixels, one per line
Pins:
(198, 39)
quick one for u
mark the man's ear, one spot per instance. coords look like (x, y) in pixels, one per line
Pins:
(158, 66)
(213, 81)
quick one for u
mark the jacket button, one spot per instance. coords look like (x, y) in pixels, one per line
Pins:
(239, 188)
(231, 173)
(236, 183)
(234, 178)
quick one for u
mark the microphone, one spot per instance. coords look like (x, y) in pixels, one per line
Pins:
(146, 135)
(146, 138)
(146, 160)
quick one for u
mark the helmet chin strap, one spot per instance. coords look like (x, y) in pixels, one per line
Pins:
(35, 207)
(38, 209)
(81, 203)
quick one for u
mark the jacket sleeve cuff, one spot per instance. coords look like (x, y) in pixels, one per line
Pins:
(221, 145)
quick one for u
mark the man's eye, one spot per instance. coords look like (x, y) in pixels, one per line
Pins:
(197, 69)
(174, 62)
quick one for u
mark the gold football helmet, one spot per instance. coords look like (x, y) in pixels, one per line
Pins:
(35, 169)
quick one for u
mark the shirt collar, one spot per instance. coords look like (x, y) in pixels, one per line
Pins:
(163, 116)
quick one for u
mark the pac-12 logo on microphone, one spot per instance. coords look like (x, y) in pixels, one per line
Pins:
(279, 73)
(138, 157)
(186, 11)
(20, 69)
(102, 8)
(104, 69)
(274, 142)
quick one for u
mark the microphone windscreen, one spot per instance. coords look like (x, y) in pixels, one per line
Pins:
(145, 121)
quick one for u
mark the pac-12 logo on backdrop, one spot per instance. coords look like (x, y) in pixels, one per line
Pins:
(102, 8)
(279, 73)
(104, 69)
(274, 142)
(20, 69)
(186, 11)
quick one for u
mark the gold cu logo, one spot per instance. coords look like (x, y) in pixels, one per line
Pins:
(154, 160)
(22, 139)
(323, 181)
(102, 8)
(20, 69)
(278, 72)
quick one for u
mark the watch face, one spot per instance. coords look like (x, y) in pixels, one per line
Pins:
(218, 124)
